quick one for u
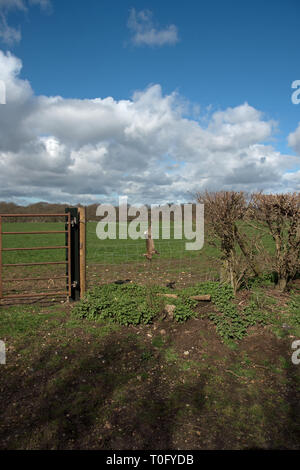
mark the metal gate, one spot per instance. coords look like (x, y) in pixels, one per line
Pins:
(71, 261)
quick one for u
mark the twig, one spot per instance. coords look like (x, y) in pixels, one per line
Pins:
(231, 372)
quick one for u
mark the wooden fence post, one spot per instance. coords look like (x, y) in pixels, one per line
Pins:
(82, 249)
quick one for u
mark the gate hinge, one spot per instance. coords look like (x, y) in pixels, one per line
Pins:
(74, 222)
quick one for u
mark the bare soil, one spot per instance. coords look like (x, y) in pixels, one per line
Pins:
(75, 384)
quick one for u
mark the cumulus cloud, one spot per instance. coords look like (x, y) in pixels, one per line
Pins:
(294, 139)
(292, 181)
(144, 31)
(85, 150)
(11, 35)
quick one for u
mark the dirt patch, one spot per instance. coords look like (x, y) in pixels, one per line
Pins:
(184, 272)
(74, 384)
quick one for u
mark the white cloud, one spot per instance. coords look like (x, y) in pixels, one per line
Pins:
(144, 31)
(85, 150)
(294, 139)
(11, 35)
(8, 34)
(292, 181)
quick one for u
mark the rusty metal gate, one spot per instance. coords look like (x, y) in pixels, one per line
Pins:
(71, 260)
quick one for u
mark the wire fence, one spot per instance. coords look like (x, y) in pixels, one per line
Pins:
(126, 262)
(106, 260)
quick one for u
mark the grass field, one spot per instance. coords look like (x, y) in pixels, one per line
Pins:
(107, 260)
(102, 251)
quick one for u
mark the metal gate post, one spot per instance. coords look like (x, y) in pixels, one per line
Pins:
(73, 252)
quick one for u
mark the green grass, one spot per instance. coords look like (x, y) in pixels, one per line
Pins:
(98, 251)
(117, 251)
(22, 241)
(101, 251)
(16, 322)
(171, 355)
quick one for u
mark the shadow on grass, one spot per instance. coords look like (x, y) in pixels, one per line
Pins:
(95, 399)
(112, 393)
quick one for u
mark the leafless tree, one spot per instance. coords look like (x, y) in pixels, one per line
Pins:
(279, 215)
(224, 212)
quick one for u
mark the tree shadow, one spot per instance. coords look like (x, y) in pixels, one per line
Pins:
(91, 400)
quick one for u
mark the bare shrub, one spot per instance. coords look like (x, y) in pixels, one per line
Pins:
(224, 211)
(279, 215)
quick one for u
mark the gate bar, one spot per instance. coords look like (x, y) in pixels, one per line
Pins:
(35, 248)
(33, 215)
(35, 264)
(41, 294)
(68, 262)
(36, 279)
(34, 233)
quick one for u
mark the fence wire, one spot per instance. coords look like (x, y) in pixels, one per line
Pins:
(124, 260)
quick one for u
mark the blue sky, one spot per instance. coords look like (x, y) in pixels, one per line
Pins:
(228, 52)
(215, 55)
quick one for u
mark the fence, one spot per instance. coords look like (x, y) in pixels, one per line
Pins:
(74, 261)
(123, 260)
(105, 260)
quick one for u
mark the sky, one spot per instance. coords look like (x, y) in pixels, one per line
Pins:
(154, 100)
